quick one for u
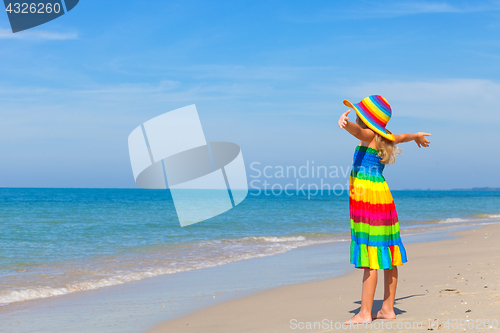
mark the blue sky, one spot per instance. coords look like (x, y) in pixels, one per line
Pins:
(267, 75)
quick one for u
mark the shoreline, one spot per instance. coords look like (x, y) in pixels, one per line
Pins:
(435, 230)
(141, 305)
(445, 280)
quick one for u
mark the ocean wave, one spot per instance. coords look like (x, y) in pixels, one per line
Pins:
(94, 273)
(197, 255)
(277, 239)
(44, 292)
(477, 217)
(489, 216)
(454, 220)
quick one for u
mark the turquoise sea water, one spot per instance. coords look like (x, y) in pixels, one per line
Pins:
(59, 241)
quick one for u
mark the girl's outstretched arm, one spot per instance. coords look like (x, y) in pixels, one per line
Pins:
(362, 134)
(419, 138)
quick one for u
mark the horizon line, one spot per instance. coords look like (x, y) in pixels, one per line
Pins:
(476, 188)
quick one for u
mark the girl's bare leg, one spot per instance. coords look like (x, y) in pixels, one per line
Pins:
(390, 284)
(369, 284)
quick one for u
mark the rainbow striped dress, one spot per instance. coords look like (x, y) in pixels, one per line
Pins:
(375, 240)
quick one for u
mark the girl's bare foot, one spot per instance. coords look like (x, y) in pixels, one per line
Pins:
(359, 319)
(384, 315)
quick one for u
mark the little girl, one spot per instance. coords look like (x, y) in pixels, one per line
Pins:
(375, 240)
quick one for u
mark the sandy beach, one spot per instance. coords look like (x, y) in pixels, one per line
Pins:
(446, 285)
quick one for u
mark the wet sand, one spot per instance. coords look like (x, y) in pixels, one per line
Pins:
(446, 285)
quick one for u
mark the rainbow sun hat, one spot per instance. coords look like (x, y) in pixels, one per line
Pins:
(375, 112)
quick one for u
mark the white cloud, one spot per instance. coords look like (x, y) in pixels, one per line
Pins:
(134, 89)
(378, 10)
(37, 35)
(410, 8)
(456, 98)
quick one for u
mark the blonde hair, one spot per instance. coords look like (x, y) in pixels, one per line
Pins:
(387, 150)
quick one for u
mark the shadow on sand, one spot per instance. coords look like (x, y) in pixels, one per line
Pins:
(377, 305)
